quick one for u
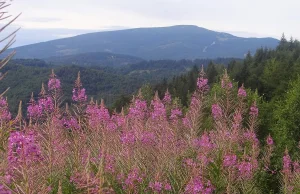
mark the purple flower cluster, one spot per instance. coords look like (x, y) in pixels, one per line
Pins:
(216, 111)
(230, 160)
(79, 95)
(245, 169)
(100, 116)
(128, 137)
(197, 185)
(3, 190)
(46, 104)
(22, 148)
(286, 164)
(70, 123)
(53, 84)
(148, 138)
(133, 179)
(159, 110)
(109, 163)
(202, 84)
(175, 114)
(138, 109)
(35, 110)
(167, 98)
(5, 115)
(242, 92)
(254, 110)
(204, 142)
(158, 187)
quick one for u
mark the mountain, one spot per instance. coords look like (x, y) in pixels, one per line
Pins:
(175, 42)
(94, 59)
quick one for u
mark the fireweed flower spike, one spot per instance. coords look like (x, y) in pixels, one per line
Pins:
(254, 110)
(242, 92)
(5, 115)
(225, 82)
(22, 148)
(167, 98)
(202, 83)
(216, 111)
(34, 109)
(79, 92)
(159, 110)
(53, 83)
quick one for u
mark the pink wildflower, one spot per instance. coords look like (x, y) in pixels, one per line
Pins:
(286, 163)
(197, 185)
(167, 98)
(35, 110)
(128, 137)
(229, 160)
(138, 109)
(245, 169)
(133, 178)
(46, 104)
(159, 111)
(254, 110)
(167, 187)
(216, 111)
(3, 190)
(156, 186)
(53, 84)
(70, 123)
(79, 95)
(204, 142)
(202, 84)
(22, 148)
(4, 111)
(242, 92)
(175, 114)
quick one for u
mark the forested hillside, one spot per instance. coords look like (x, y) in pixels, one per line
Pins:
(98, 59)
(27, 75)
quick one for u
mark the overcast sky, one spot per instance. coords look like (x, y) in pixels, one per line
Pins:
(256, 18)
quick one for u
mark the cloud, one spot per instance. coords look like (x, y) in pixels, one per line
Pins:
(41, 19)
(268, 17)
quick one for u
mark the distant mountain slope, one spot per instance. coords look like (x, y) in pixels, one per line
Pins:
(94, 59)
(175, 42)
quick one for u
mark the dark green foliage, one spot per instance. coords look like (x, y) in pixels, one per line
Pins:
(98, 59)
(286, 119)
(267, 70)
(26, 76)
(211, 73)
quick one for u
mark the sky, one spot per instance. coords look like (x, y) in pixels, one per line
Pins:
(43, 20)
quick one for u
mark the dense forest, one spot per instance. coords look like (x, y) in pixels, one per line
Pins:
(25, 76)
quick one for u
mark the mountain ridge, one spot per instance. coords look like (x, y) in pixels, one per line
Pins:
(174, 42)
